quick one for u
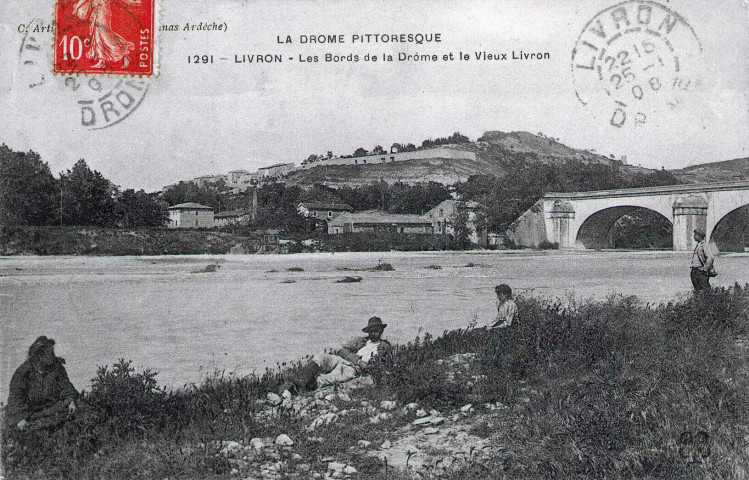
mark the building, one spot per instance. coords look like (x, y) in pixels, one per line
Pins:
(443, 218)
(323, 211)
(379, 222)
(265, 241)
(208, 179)
(190, 215)
(277, 170)
(235, 176)
(444, 151)
(231, 217)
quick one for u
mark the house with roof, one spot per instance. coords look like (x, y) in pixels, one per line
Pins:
(444, 214)
(231, 217)
(323, 210)
(190, 215)
(375, 221)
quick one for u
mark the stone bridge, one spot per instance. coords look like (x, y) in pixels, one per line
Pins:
(587, 219)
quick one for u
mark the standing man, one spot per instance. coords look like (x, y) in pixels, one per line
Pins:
(702, 263)
(41, 395)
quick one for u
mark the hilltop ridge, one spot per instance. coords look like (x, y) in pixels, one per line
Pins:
(495, 152)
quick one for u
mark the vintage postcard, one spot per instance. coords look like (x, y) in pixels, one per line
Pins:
(374, 239)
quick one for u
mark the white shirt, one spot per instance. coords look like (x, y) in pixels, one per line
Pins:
(506, 313)
(368, 351)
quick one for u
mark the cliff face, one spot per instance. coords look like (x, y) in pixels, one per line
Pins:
(494, 150)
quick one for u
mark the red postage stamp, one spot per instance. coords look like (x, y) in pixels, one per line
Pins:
(105, 37)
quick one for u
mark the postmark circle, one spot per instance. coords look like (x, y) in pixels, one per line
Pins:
(635, 60)
(97, 101)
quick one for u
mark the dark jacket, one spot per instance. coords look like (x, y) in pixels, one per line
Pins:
(35, 394)
(349, 349)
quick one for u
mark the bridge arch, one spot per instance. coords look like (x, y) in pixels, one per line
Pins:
(597, 230)
(731, 232)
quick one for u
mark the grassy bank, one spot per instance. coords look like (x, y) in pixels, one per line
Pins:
(111, 241)
(610, 389)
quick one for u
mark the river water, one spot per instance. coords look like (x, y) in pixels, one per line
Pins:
(252, 312)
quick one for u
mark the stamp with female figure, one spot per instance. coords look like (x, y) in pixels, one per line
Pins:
(105, 37)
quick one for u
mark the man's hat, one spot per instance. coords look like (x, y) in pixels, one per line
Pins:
(39, 344)
(700, 232)
(374, 323)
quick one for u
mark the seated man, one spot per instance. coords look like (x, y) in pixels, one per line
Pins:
(349, 362)
(507, 310)
(41, 395)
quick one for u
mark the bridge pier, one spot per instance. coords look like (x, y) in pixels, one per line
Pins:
(689, 213)
(562, 215)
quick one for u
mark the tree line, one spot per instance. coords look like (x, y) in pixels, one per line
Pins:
(456, 137)
(31, 195)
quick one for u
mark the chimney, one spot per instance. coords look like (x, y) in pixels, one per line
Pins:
(254, 203)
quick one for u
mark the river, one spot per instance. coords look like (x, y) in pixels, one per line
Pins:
(252, 312)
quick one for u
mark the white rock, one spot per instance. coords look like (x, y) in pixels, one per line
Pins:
(466, 408)
(336, 466)
(386, 416)
(257, 443)
(421, 413)
(296, 457)
(349, 470)
(344, 396)
(412, 406)
(431, 430)
(303, 467)
(374, 420)
(422, 421)
(231, 447)
(284, 439)
(388, 405)
(437, 420)
(386, 444)
(330, 397)
(364, 443)
(273, 398)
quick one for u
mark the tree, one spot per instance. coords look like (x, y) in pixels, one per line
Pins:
(87, 197)
(378, 150)
(396, 147)
(329, 155)
(28, 191)
(360, 152)
(462, 229)
(139, 209)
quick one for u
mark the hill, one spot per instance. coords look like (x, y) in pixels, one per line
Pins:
(724, 171)
(496, 153)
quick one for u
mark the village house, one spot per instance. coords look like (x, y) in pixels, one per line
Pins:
(208, 179)
(444, 214)
(190, 215)
(323, 211)
(379, 222)
(265, 241)
(231, 217)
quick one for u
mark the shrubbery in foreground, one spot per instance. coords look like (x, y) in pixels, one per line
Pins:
(611, 389)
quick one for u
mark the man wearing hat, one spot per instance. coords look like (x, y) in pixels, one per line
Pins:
(702, 263)
(349, 361)
(41, 395)
(360, 350)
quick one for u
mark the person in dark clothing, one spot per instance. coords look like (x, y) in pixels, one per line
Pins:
(41, 395)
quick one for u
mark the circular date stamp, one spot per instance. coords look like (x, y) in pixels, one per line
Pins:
(635, 60)
(99, 101)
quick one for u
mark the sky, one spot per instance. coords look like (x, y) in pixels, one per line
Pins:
(201, 119)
